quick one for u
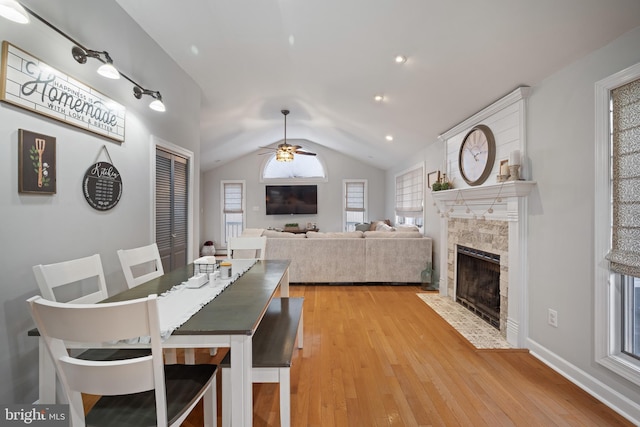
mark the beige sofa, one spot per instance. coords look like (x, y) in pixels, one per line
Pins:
(360, 257)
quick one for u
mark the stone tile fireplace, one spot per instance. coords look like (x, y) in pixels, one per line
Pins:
(501, 233)
(478, 283)
(484, 235)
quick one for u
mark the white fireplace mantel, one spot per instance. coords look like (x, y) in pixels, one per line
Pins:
(505, 201)
(495, 201)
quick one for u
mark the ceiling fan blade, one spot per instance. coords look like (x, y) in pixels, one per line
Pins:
(306, 153)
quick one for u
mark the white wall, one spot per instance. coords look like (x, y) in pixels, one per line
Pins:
(329, 217)
(38, 229)
(561, 150)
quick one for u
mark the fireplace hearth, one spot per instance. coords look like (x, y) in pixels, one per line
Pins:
(478, 283)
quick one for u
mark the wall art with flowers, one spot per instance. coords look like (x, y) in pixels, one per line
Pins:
(36, 163)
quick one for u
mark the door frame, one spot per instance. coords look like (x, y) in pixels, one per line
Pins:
(156, 143)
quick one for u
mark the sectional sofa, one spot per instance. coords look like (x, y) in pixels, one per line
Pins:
(352, 257)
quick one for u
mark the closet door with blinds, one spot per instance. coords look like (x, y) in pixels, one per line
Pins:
(172, 198)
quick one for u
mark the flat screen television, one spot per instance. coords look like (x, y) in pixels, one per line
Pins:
(291, 199)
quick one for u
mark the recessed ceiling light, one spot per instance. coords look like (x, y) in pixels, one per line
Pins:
(389, 138)
(401, 59)
(379, 98)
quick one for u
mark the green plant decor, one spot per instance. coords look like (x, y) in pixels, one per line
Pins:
(429, 282)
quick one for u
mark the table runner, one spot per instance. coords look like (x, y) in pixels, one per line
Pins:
(179, 303)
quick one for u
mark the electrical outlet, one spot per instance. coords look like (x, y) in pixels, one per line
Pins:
(552, 318)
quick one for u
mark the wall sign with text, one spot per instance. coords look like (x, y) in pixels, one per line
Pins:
(31, 84)
(102, 186)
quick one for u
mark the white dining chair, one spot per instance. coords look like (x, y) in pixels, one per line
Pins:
(140, 265)
(79, 281)
(247, 247)
(133, 392)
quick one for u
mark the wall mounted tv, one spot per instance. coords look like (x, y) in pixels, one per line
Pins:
(291, 199)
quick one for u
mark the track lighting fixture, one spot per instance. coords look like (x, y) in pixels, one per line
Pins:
(156, 104)
(106, 70)
(14, 11)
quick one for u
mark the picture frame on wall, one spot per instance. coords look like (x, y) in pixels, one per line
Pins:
(432, 178)
(36, 163)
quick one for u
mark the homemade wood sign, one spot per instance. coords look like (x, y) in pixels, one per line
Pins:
(102, 185)
(31, 84)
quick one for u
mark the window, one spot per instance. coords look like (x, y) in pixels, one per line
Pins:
(233, 203)
(409, 197)
(355, 203)
(617, 210)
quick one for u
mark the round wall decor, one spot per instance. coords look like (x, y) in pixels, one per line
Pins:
(102, 186)
(477, 154)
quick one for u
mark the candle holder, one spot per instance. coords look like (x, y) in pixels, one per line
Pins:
(514, 172)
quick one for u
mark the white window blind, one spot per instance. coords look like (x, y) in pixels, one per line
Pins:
(233, 197)
(409, 192)
(625, 245)
(354, 197)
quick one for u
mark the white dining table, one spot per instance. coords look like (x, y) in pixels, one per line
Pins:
(229, 320)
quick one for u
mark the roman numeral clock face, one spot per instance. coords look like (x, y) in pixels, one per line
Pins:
(477, 155)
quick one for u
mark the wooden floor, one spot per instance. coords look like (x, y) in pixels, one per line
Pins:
(379, 356)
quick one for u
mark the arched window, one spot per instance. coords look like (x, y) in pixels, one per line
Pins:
(309, 168)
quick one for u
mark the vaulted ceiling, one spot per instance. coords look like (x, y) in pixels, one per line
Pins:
(325, 60)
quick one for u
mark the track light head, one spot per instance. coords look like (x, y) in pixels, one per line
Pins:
(79, 55)
(156, 104)
(13, 11)
(137, 92)
(105, 70)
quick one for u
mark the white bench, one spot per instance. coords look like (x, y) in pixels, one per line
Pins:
(272, 348)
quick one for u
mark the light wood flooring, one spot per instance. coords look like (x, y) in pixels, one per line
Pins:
(379, 356)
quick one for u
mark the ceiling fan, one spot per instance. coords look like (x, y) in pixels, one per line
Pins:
(284, 151)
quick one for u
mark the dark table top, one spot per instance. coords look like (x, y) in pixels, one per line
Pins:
(237, 310)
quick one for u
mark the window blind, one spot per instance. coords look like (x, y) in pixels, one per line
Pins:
(409, 192)
(625, 180)
(354, 197)
(233, 197)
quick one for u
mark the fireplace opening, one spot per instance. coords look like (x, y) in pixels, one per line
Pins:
(478, 283)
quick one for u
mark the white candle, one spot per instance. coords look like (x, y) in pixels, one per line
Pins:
(514, 158)
(504, 169)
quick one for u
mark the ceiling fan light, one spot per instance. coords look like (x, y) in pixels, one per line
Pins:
(284, 156)
(13, 11)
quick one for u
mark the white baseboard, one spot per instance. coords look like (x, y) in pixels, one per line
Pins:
(596, 388)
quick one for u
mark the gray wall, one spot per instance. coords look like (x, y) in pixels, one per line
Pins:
(432, 156)
(38, 229)
(561, 149)
(329, 217)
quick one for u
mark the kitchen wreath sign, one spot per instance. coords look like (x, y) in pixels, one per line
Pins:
(31, 84)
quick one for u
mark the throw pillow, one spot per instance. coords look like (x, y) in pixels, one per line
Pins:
(363, 227)
(383, 227)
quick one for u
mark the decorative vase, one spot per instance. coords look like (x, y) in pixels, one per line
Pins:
(208, 249)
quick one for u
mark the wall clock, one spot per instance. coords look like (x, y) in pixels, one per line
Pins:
(477, 155)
